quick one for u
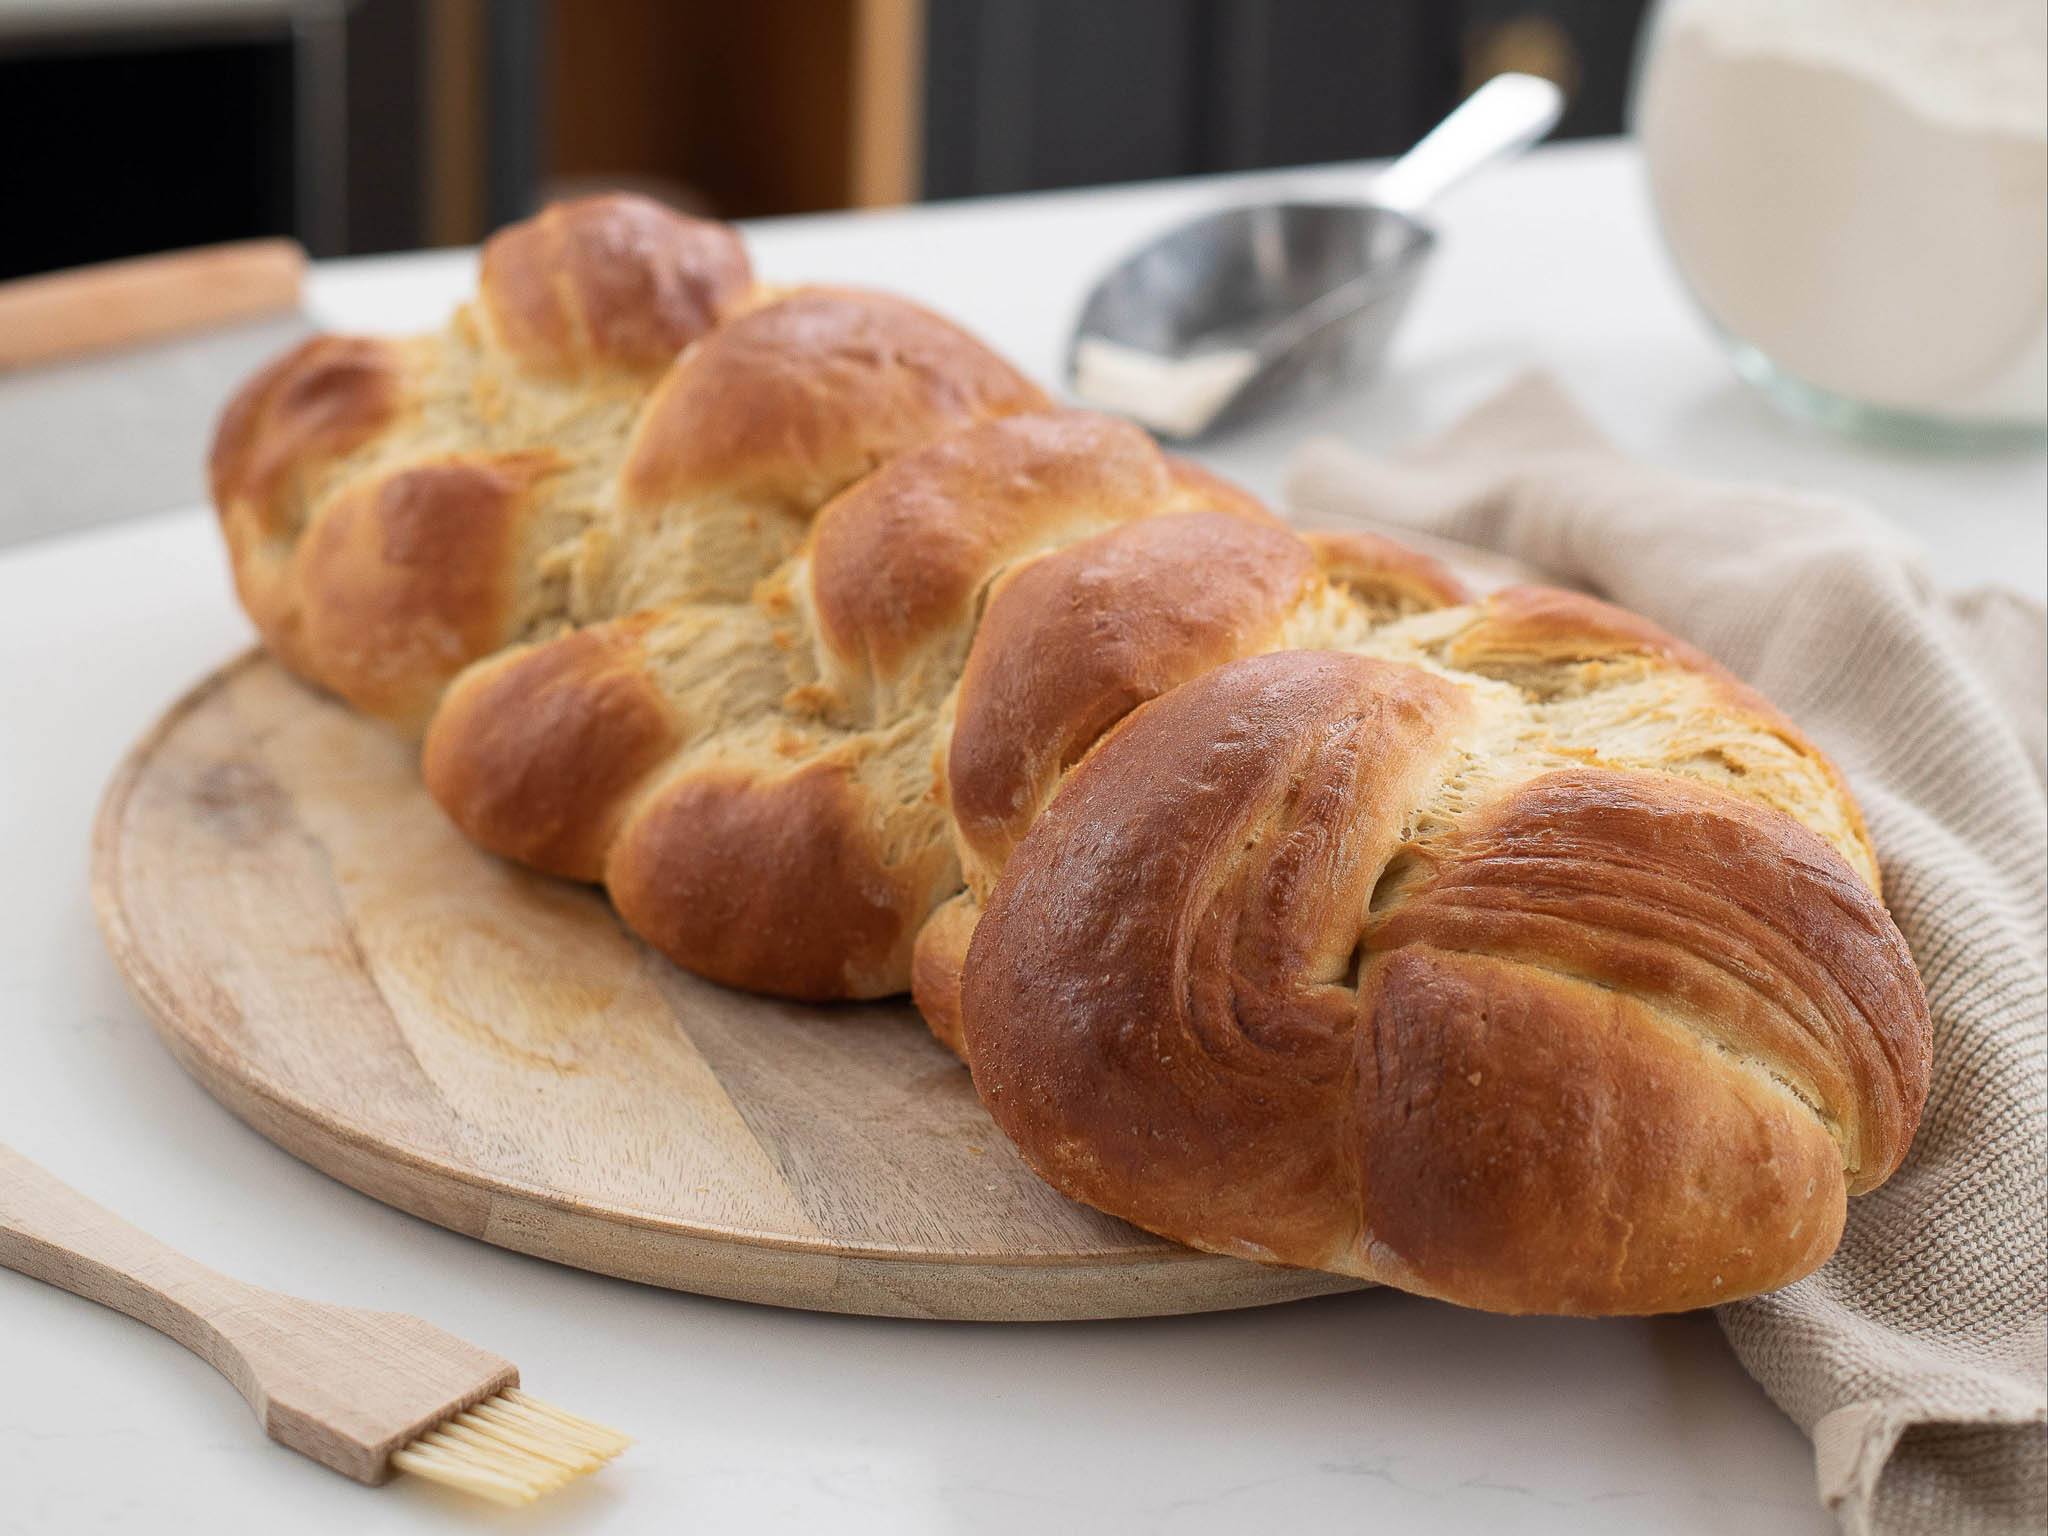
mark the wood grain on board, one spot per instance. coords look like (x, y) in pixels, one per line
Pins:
(490, 1049)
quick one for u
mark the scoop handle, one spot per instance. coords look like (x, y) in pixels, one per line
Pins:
(1502, 118)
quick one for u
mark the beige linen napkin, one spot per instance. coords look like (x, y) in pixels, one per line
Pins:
(1915, 1356)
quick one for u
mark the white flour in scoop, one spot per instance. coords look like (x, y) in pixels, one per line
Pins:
(1856, 188)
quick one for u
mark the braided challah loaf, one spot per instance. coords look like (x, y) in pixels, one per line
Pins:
(1280, 899)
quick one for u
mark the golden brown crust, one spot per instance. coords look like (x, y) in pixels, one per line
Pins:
(1073, 642)
(324, 398)
(1726, 914)
(1196, 487)
(1532, 1143)
(895, 562)
(936, 967)
(536, 752)
(1615, 1050)
(611, 281)
(1155, 1002)
(404, 581)
(793, 401)
(1391, 577)
(775, 884)
(1530, 625)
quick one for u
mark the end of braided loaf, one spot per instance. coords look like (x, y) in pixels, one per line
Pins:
(1371, 995)
(1281, 897)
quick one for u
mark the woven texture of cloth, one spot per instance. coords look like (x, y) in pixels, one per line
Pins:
(1915, 1356)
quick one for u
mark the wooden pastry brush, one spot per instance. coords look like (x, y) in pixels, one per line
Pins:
(366, 1393)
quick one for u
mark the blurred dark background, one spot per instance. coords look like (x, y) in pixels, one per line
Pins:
(129, 126)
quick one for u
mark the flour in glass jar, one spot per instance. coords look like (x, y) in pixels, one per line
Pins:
(1855, 188)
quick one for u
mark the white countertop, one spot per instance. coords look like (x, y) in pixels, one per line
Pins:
(1374, 1411)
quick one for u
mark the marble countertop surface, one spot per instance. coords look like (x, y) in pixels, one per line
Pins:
(1374, 1411)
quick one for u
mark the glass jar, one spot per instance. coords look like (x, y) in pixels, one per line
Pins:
(1854, 192)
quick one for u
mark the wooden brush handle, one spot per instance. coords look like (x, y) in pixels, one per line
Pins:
(345, 1386)
(49, 1231)
(119, 303)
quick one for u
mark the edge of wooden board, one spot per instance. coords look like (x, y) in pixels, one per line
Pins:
(778, 1271)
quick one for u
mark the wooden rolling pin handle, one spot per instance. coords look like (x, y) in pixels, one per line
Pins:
(119, 303)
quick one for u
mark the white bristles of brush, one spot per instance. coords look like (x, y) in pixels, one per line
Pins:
(511, 1449)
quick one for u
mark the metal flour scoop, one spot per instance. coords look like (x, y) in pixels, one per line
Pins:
(1239, 309)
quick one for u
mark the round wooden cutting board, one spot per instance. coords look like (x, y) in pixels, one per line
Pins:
(489, 1049)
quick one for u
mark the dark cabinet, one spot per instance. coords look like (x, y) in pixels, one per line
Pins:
(1024, 95)
(363, 125)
